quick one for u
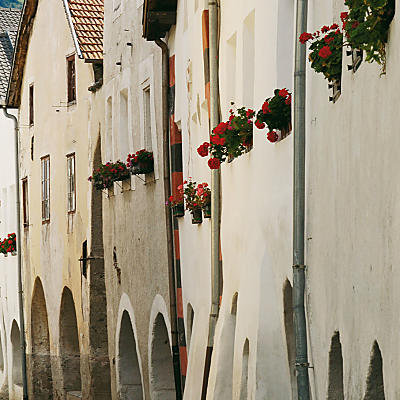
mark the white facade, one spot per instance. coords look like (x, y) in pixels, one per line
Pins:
(10, 359)
(255, 54)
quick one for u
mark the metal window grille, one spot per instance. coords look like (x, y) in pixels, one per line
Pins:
(45, 189)
(71, 194)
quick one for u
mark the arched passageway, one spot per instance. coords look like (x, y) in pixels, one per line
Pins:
(245, 372)
(375, 386)
(16, 354)
(289, 333)
(162, 373)
(130, 379)
(41, 382)
(69, 345)
(335, 378)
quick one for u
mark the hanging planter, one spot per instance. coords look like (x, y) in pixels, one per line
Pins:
(275, 113)
(8, 245)
(197, 216)
(142, 162)
(367, 27)
(230, 139)
(177, 205)
(326, 51)
(207, 211)
(104, 176)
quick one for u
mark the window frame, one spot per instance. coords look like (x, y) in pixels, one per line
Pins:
(71, 79)
(71, 189)
(25, 203)
(45, 188)
(31, 109)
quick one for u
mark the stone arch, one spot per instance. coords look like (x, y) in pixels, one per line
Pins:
(245, 372)
(375, 386)
(289, 334)
(335, 374)
(128, 368)
(162, 372)
(41, 382)
(69, 345)
(223, 385)
(16, 354)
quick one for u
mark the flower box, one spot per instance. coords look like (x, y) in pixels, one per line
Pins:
(197, 216)
(142, 162)
(105, 176)
(207, 210)
(178, 210)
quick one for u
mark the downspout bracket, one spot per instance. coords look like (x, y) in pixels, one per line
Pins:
(299, 266)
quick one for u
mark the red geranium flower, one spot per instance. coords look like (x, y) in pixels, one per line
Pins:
(328, 39)
(334, 26)
(216, 139)
(203, 149)
(214, 163)
(265, 108)
(304, 37)
(288, 101)
(283, 92)
(259, 124)
(325, 52)
(249, 113)
(325, 29)
(221, 128)
(343, 16)
(272, 136)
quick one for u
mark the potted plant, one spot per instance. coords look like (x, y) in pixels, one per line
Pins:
(192, 200)
(229, 139)
(326, 51)
(142, 162)
(177, 204)
(367, 27)
(11, 243)
(204, 194)
(275, 113)
(104, 176)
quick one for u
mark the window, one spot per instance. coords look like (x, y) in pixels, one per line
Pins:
(25, 207)
(147, 119)
(31, 109)
(71, 183)
(45, 161)
(71, 79)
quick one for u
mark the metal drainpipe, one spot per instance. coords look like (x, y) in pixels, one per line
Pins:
(303, 386)
(215, 192)
(19, 260)
(168, 218)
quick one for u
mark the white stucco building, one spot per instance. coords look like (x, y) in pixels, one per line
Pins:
(10, 352)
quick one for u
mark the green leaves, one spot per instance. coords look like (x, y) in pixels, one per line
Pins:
(367, 27)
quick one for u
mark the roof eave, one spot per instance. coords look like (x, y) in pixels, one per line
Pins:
(158, 19)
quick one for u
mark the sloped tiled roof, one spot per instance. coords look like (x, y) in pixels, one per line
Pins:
(9, 20)
(88, 21)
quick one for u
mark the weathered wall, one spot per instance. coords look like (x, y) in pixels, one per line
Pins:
(256, 202)
(353, 215)
(8, 265)
(51, 250)
(134, 214)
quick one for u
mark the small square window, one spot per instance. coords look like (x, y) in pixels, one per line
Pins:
(31, 105)
(45, 164)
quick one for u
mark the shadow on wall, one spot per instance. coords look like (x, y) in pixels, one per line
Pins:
(289, 332)
(16, 355)
(375, 387)
(335, 378)
(245, 372)
(130, 379)
(162, 373)
(224, 370)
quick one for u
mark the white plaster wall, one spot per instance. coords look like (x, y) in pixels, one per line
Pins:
(353, 215)
(256, 203)
(8, 265)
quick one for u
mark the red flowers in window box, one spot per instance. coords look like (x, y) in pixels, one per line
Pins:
(229, 139)
(278, 116)
(142, 162)
(104, 176)
(8, 244)
(326, 51)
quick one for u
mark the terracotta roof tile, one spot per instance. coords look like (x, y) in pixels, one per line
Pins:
(88, 20)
